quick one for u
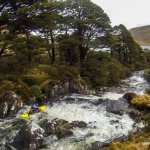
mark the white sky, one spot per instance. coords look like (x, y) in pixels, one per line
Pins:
(131, 13)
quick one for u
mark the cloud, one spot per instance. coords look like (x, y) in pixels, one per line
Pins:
(131, 13)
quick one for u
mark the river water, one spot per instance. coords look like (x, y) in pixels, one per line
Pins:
(102, 126)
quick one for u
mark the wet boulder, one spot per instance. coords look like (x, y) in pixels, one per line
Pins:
(98, 145)
(10, 103)
(63, 129)
(60, 88)
(30, 137)
(120, 106)
(79, 124)
(129, 97)
(47, 126)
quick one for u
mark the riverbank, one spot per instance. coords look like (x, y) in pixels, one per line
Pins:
(76, 121)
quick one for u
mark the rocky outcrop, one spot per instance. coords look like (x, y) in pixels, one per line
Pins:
(98, 145)
(120, 106)
(129, 96)
(47, 126)
(61, 128)
(61, 88)
(79, 124)
(10, 103)
(28, 138)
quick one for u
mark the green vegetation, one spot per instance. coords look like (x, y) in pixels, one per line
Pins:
(135, 142)
(44, 42)
(142, 101)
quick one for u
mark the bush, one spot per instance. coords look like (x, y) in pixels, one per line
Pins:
(101, 70)
(7, 86)
(34, 79)
(35, 91)
(141, 101)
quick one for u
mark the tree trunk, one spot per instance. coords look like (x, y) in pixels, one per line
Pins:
(28, 49)
(53, 47)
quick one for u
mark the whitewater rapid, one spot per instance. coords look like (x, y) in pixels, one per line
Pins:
(100, 122)
(102, 125)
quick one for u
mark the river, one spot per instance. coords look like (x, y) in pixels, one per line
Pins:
(102, 126)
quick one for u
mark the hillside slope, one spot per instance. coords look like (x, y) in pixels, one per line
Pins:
(141, 34)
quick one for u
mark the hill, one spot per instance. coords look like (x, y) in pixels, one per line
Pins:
(141, 34)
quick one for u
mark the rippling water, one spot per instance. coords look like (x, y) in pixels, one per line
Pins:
(102, 125)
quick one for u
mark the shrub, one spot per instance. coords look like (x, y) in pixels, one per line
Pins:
(35, 91)
(34, 79)
(141, 101)
(7, 85)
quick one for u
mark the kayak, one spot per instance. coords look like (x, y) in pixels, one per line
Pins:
(42, 108)
(26, 115)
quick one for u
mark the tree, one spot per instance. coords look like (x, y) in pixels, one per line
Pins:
(68, 50)
(87, 22)
(47, 26)
(125, 49)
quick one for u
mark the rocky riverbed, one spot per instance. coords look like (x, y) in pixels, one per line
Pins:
(76, 122)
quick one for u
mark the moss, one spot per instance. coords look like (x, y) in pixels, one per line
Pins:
(141, 101)
(133, 143)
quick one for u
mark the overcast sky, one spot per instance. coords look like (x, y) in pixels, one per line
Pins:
(131, 13)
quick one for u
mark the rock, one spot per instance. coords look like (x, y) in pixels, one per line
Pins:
(47, 126)
(129, 96)
(98, 145)
(59, 88)
(112, 122)
(63, 129)
(28, 138)
(118, 107)
(134, 114)
(79, 124)
(10, 103)
(122, 138)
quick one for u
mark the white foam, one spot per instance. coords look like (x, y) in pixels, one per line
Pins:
(98, 120)
(111, 95)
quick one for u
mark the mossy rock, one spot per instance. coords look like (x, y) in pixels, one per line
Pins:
(147, 91)
(129, 96)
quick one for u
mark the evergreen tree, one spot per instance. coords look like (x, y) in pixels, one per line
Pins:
(87, 22)
(125, 49)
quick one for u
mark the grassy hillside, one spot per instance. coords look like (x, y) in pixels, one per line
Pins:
(141, 34)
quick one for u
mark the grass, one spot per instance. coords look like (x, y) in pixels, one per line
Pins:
(135, 142)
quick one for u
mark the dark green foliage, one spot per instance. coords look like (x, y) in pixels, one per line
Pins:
(34, 79)
(69, 54)
(35, 91)
(126, 50)
(60, 50)
(102, 70)
(87, 22)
